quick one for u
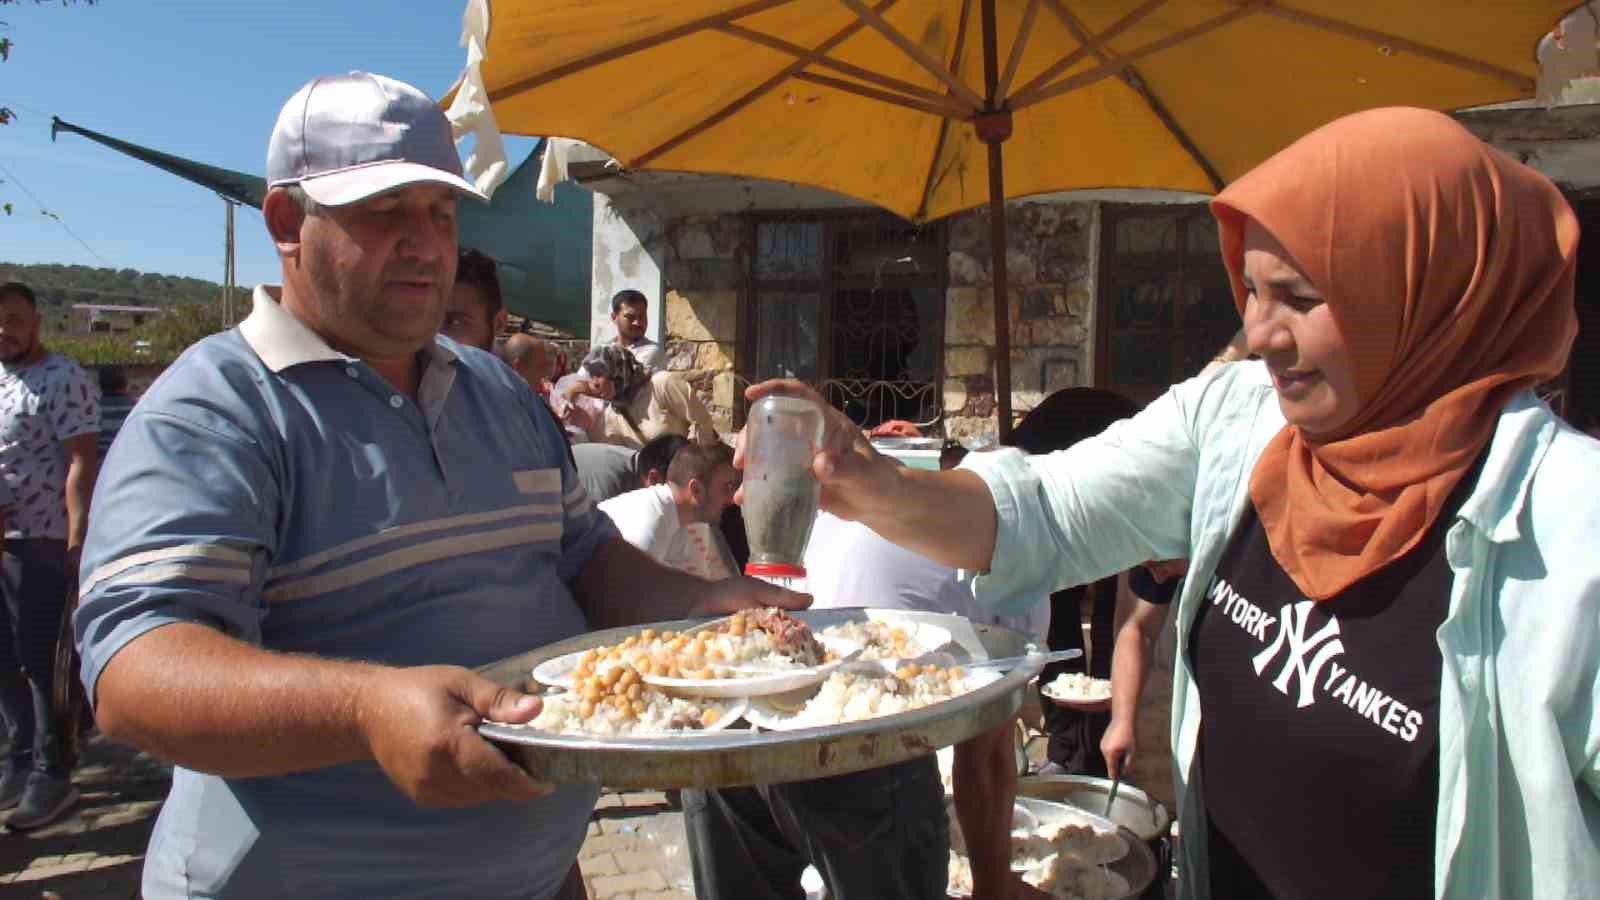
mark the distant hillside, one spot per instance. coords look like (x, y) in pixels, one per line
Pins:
(58, 287)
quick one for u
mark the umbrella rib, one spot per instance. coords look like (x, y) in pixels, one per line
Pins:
(1107, 70)
(1094, 44)
(644, 43)
(1515, 79)
(867, 75)
(1139, 86)
(917, 54)
(1024, 31)
(758, 91)
(950, 111)
(944, 124)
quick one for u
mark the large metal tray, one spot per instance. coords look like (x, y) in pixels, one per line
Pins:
(738, 756)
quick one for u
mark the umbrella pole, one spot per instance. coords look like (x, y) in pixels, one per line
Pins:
(1002, 293)
(993, 126)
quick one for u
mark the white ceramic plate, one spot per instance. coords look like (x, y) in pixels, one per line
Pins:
(557, 671)
(1082, 704)
(782, 713)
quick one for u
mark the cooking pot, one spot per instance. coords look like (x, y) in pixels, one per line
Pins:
(1133, 809)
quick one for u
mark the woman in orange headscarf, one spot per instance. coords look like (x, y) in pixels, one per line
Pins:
(1390, 634)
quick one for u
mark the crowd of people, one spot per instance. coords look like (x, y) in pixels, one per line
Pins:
(1368, 536)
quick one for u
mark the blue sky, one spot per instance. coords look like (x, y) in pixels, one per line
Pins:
(203, 80)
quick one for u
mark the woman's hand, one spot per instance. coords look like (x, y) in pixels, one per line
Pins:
(855, 478)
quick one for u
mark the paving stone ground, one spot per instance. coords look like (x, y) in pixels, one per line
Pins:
(635, 849)
(96, 852)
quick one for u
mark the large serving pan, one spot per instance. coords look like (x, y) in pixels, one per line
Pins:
(1133, 810)
(739, 756)
(1138, 867)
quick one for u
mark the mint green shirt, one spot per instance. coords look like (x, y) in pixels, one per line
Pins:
(1519, 698)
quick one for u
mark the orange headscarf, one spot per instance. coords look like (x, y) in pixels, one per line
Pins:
(1448, 268)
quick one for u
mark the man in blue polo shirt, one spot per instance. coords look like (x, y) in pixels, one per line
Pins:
(313, 525)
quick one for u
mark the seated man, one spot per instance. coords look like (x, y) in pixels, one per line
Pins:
(672, 521)
(610, 470)
(872, 834)
(529, 357)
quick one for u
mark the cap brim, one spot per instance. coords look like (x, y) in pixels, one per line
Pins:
(363, 182)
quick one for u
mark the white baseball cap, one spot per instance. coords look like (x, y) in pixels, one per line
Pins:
(345, 138)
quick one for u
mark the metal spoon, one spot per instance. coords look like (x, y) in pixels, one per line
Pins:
(1112, 797)
(1011, 662)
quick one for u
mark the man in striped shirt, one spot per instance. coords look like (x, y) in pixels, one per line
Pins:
(314, 525)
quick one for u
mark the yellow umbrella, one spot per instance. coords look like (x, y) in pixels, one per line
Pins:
(928, 107)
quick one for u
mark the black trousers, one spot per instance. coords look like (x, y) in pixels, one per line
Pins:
(872, 835)
(34, 584)
(1075, 736)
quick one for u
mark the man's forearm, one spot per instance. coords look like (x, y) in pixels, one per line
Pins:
(230, 708)
(985, 777)
(621, 585)
(1127, 672)
(79, 489)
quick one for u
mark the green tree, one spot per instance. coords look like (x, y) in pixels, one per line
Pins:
(158, 341)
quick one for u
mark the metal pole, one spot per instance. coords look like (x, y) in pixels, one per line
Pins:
(227, 269)
(1002, 294)
(993, 127)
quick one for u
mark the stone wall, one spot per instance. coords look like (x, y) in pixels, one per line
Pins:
(703, 263)
(1051, 298)
(704, 260)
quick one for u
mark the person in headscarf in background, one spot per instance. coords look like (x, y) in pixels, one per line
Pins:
(614, 399)
(1389, 682)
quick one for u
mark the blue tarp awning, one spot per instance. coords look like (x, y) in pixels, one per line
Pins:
(545, 250)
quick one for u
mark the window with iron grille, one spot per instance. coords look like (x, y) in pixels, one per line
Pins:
(854, 306)
(1164, 306)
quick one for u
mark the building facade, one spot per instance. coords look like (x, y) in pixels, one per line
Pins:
(1123, 290)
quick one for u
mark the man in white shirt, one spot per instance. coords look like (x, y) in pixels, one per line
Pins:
(753, 843)
(630, 312)
(673, 522)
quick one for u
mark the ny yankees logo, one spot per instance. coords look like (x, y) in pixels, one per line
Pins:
(1292, 623)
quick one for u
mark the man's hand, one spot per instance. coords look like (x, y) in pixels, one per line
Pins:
(421, 726)
(743, 592)
(854, 476)
(1117, 746)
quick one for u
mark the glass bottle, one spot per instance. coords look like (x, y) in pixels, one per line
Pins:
(781, 496)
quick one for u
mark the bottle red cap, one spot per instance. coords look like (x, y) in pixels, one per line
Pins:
(774, 570)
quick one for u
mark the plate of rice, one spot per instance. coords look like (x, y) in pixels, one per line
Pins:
(749, 653)
(616, 702)
(1076, 690)
(859, 691)
(884, 637)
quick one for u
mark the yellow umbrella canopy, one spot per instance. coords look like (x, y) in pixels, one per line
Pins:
(928, 107)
